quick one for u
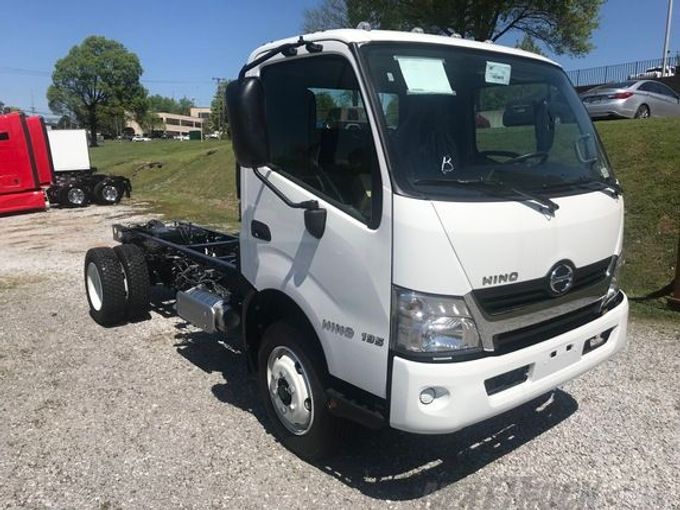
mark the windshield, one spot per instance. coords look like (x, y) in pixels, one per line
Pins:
(454, 115)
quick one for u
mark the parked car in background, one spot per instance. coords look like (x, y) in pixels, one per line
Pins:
(654, 72)
(140, 138)
(181, 137)
(630, 99)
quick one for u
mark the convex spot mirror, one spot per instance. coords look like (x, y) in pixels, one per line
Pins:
(247, 118)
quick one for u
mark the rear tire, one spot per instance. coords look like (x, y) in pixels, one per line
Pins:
(137, 280)
(105, 286)
(290, 374)
(73, 196)
(643, 112)
(107, 193)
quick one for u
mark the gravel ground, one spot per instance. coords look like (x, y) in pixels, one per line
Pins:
(158, 415)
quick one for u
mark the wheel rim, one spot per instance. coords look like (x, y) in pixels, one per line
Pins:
(76, 196)
(94, 286)
(110, 193)
(289, 391)
(644, 112)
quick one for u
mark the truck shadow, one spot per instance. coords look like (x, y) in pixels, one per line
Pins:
(389, 464)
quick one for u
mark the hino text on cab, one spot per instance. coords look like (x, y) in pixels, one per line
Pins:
(431, 234)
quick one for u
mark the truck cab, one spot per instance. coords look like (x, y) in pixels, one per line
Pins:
(464, 267)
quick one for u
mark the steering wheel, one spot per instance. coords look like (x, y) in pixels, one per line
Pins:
(502, 154)
(541, 156)
(515, 158)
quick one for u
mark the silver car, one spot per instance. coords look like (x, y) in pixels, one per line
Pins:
(637, 99)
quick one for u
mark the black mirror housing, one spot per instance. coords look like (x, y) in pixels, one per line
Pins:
(247, 118)
(315, 222)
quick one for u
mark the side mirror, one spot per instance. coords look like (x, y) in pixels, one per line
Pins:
(247, 119)
(315, 222)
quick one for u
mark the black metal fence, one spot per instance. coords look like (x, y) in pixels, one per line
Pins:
(618, 72)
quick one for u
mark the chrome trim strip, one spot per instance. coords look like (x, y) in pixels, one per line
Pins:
(490, 326)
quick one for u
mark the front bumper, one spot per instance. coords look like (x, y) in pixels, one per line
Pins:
(461, 395)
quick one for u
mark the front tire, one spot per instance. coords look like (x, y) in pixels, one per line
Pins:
(105, 286)
(290, 374)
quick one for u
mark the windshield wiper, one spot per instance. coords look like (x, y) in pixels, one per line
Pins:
(489, 185)
(610, 188)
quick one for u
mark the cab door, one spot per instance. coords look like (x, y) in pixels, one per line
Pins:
(323, 147)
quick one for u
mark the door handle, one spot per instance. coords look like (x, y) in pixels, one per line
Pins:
(260, 231)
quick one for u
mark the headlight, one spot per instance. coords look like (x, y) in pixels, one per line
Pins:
(613, 272)
(427, 324)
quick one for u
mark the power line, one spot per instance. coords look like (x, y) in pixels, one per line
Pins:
(36, 72)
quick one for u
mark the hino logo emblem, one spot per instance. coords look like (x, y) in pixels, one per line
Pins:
(561, 278)
(500, 278)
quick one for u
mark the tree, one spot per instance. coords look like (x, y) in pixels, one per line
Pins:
(97, 75)
(330, 14)
(218, 120)
(563, 26)
(529, 44)
(158, 103)
(8, 109)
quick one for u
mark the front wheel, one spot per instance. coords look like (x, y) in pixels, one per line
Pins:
(290, 372)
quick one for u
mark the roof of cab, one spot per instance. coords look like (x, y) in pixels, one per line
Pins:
(348, 36)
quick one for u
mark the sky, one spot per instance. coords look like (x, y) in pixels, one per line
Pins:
(184, 44)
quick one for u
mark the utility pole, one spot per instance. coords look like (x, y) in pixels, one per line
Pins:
(667, 40)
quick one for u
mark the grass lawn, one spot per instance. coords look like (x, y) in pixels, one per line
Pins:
(196, 183)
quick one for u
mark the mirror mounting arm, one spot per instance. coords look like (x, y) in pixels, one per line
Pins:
(307, 204)
(287, 49)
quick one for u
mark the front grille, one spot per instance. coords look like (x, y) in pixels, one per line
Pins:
(520, 338)
(506, 298)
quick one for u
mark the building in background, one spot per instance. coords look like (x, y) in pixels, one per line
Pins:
(173, 124)
(202, 112)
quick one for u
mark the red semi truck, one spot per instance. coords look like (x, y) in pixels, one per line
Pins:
(37, 168)
(21, 188)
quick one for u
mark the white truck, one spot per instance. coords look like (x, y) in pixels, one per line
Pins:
(424, 270)
(76, 183)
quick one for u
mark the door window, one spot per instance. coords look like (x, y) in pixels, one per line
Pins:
(319, 133)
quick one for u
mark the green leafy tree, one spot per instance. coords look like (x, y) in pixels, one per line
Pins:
(158, 103)
(97, 75)
(529, 44)
(563, 26)
(218, 120)
(324, 104)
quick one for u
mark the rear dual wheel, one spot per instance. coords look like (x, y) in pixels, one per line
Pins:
(107, 193)
(73, 196)
(117, 284)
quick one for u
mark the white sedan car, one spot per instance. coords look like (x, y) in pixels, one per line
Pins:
(140, 138)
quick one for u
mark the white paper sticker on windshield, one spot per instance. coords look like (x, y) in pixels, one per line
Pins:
(497, 73)
(424, 75)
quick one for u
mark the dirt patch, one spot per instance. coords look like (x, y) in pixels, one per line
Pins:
(13, 282)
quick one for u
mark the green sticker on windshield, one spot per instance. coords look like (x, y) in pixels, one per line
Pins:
(497, 73)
